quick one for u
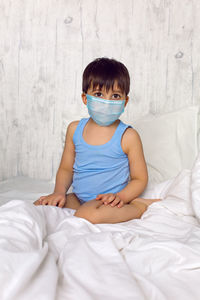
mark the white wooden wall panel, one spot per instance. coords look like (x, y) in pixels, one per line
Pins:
(46, 44)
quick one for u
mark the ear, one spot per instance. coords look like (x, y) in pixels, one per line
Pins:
(84, 98)
(126, 100)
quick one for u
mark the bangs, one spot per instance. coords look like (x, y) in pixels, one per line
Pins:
(105, 73)
(107, 83)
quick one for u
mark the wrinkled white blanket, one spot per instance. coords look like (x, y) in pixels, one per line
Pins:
(46, 253)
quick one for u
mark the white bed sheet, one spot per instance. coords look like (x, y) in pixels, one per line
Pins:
(47, 253)
(24, 188)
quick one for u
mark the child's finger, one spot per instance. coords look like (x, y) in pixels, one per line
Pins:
(54, 202)
(114, 203)
(41, 199)
(121, 204)
(61, 203)
(111, 198)
(44, 201)
(99, 197)
(37, 202)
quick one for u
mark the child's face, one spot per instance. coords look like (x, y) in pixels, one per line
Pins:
(112, 94)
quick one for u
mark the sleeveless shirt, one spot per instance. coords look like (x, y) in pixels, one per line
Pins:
(99, 169)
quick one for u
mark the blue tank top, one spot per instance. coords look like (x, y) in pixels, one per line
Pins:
(99, 169)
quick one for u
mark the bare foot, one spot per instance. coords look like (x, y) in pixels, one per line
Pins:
(147, 202)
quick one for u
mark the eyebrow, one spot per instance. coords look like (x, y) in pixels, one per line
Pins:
(100, 90)
(117, 91)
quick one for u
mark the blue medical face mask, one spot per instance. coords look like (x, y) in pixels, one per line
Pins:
(104, 112)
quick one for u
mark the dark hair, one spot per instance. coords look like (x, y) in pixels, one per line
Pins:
(104, 72)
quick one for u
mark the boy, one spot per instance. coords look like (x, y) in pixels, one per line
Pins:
(103, 157)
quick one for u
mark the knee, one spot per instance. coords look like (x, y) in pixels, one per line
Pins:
(139, 204)
(90, 215)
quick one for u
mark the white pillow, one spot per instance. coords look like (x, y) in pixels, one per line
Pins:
(177, 197)
(169, 142)
(195, 187)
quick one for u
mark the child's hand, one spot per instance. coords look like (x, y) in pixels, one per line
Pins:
(112, 199)
(55, 199)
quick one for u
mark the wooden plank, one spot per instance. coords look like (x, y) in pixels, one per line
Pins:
(45, 46)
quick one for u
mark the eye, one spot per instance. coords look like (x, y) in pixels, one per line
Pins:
(116, 96)
(98, 94)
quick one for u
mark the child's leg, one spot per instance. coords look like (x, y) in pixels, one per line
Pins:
(72, 201)
(96, 212)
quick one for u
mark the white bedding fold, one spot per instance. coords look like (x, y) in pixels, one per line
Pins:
(47, 253)
(25, 262)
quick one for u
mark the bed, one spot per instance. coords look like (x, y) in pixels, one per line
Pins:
(46, 253)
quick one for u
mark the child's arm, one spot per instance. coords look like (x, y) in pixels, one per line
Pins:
(132, 146)
(65, 171)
